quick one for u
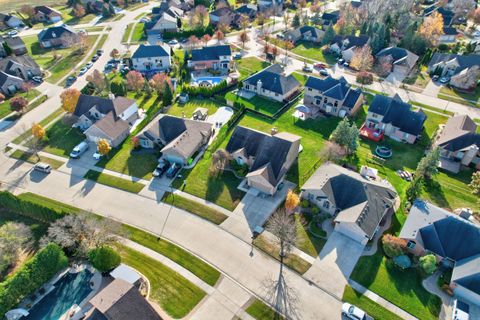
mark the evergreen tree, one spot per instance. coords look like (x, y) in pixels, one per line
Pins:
(296, 21)
(167, 97)
(414, 189)
(427, 167)
(105, 11)
(346, 135)
(316, 19)
(328, 36)
(364, 28)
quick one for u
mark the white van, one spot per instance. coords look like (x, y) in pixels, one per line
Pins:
(460, 310)
(79, 150)
(42, 167)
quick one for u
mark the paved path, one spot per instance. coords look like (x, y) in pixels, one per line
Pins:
(430, 284)
(384, 303)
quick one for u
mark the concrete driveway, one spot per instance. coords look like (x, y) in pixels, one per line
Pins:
(335, 263)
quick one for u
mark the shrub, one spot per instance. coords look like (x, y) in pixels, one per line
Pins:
(402, 261)
(304, 203)
(104, 258)
(393, 246)
(206, 92)
(428, 263)
(364, 77)
(117, 87)
(31, 276)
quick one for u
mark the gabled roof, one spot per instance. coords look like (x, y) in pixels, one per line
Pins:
(459, 132)
(211, 53)
(270, 152)
(223, 11)
(247, 9)
(395, 52)
(463, 61)
(331, 17)
(55, 32)
(111, 125)
(467, 273)
(315, 32)
(337, 89)
(14, 42)
(150, 51)
(398, 113)
(450, 31)
(273, 79)
(348, 42)
(7, 64)
(5, 76)
(103, 105)
(46, 10)
(359, 200)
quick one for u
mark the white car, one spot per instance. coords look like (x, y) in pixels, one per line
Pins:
(173, 42)
(144, 20)
(97, 155)
(89, 65)
(82, 71)
(12, 33)
(354, 313)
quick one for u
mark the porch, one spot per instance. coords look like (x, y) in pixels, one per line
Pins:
(371, 133)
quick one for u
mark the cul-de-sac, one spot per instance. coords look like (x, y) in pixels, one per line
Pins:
(239, 159)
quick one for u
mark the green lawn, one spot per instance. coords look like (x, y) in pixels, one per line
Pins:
(307, 242)
(370, 307)
(194, 207)
(461, 97)
(257, 103)
(199, 268)
(250, 65)
(49, 203)
(261, 311)
(175, 294)
(62, 138)
(138, 33)
(43, 123)
(427, 107)
(302, 78)
(127, 32)
(5, 105)
(113, 181)
(187, 109)
(32, 158)
(401, 287)
(69, 18)
(313, 52)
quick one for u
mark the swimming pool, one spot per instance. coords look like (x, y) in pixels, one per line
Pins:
(211, 80)
(71, 289)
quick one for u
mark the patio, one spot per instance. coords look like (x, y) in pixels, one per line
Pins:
(371, 133)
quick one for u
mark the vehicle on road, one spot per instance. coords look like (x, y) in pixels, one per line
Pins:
(340, 62)
(37, 79)
(323, 72)
(79, 150)
(95, 58)
(354, 313)
(144, 20)
(173, 42)
(307, 68)
(82, 71)
(173, 170)
(42, 167)
(444, 80)
(237, 56)
(161, 168)
(319, 66)
(89, 65)
(435, 77)
(70, 80)
(99, 52)
(12, 33)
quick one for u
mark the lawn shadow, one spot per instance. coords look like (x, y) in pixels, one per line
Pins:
(435, 192)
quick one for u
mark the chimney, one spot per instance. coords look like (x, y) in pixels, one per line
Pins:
(259, 85)
(274, 131)
(111, 96)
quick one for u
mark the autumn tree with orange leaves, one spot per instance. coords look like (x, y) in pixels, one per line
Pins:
(69, 98)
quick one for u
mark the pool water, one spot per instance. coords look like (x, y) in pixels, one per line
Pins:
(71, 289)
(213, 80)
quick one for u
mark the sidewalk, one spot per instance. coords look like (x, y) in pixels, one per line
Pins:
(384, 303)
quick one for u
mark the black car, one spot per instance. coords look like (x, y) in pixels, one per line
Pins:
(173, 170)
(94, 58)
(161, 168)
(99, 52)
(70, 80)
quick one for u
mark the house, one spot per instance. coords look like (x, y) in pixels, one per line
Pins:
(9, 84)
(401, 60)
(305, 33)
(224, 15)
(395, 119)
(120, 300)
(15, 44)
(459, 144)
(358, 204)
(275, 6)
(330, 18)
(455, 242)
(249, 10)
(165, 23)
(61, 36)
(331, 96)
(23, 67)
(180, 139)
(46, 14)
(346, 45)
(449, 35)
(267, 156)
(9, 21)
(463, 70)
(272, 83)
(105, 118)
(214, 57)
(151, 58)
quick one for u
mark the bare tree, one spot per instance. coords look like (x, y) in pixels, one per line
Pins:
(15, 238)
(332, 151)
(219, 162)
(462, 7)
(282, 226)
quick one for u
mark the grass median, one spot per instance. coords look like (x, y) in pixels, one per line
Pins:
(261, 311)
(112, 181)
(32, 158)
(194, 207)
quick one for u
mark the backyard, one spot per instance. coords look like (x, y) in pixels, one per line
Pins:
(187, 109)
(313, 52)
(250, 65)
(257, 103)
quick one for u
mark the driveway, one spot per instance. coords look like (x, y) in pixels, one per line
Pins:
(335, 263)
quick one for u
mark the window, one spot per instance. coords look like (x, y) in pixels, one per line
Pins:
(335, 103)
(411, 244)
(317, 102)
(309, 89)
(326, 204)
(276, 94)
(325, 100)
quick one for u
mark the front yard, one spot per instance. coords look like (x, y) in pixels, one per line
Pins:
(5, 105)
(61, 138)
(313, 52)
(472, 98)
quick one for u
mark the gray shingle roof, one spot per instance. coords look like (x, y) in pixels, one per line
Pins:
(55, 32)
(103, 105)
(337, 89)
(459, 132)
(111, 125)
(211, 53)
(274, 80)
(352, 41)
(398, 113)
(464, 61)
(150, 51)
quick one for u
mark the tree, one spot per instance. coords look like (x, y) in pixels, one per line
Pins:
(206, 38)
(286, 19)
(414, 189)
(135, 81)
(2, 97)
(200, 15)
(78, 10)
(219, 162)
(159, 81)
(475, 183)
(243, 37)
(428, 263)
(462, 7)
(167, 97)
(104, 258)
(219, 35)
(292, 201)
(393, 246)
(364, 77)
(332, 151)
(117, 87)
(79, 233)
(97, 78)
(27, 10)
(18, 104)
(476, 17)
(38, 132)
(432, 28)
(428, 165)
(69, 98)
(383, 66)
(15, 238)
(282, 226)
(329, 35)
(82, 42)
(114, 53)
(346, 135)
(362, 59)
(103, 147)
(296, 21)
(244, 22)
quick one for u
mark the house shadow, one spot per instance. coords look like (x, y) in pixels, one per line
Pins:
(435, 192)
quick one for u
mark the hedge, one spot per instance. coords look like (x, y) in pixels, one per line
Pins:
(30, 209)
(187, 33)
(31, 276)
(206, 92)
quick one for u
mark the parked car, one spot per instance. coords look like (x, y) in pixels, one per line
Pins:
(237, 56)
(99, 52)
(79, 150)
(97, 155)
(173, 42)
(89, 65)
(82, 71)
(95, 58)
(12, 33)
(307, 68)
(353, 312)
(70, 80)
(444, 80)
(37, 79)
(323, 72)
(340, 62)
(42, 167)
(435, 77)
(173, 170)
(161, 168)
(144, 20)
(319, 66)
